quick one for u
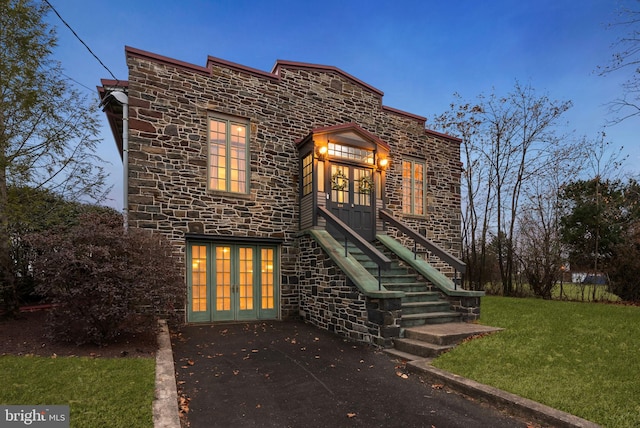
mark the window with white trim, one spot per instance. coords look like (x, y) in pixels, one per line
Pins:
(228, 155)
(413, 187)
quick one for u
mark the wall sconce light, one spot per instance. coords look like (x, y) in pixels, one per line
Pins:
(383, 163)
(322, 152)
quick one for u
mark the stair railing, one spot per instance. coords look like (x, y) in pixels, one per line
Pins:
(383, 262)
(458, 265)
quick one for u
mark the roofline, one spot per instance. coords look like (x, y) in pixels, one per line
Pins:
(239, 67)
(113, 118)
(442, 135)
(129, 51)
(348, 126)
(307, 66)
(274, 75)
(404, 113)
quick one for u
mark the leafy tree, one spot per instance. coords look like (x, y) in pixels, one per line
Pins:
(624, 268)
(36, 211)
(593, 221)
(600, 228)
(103, 281)
(48, 131)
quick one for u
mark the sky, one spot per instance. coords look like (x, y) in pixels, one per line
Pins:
(418, 52)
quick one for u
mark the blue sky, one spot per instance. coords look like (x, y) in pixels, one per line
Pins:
(418, 52)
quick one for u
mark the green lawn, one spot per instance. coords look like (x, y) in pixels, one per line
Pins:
(582, 358)
(100, 392)
(572, 291)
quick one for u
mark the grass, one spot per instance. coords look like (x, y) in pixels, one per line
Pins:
(573, 291)
(100, 392)
(582, 358)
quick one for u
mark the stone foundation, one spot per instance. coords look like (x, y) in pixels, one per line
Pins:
(329, 300)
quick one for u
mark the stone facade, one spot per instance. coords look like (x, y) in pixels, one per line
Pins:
(170, 103)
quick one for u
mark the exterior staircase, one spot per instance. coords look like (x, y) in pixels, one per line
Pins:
(429, 326)
(430, 340)
(421, 305)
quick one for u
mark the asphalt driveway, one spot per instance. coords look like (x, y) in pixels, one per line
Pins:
(291, 374)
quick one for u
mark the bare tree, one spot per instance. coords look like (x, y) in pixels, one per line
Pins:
(507, 141)
(626, 59)
(540, 250)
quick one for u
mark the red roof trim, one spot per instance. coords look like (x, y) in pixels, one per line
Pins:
(404, 113)
(351, 126)
(302, 65)
(166, 60)
(239, 67)
(441, 135)
(115, 83)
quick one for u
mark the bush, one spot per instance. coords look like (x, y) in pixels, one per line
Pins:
(104, 282)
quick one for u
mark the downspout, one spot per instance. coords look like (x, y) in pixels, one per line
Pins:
(123, 99)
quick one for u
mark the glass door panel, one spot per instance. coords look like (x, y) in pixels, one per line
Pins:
(267, 291)
(245, 303)
(340, 184)
(223, 284)
(231, 282)
(197, 274)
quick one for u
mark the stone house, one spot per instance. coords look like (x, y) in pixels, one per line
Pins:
(292, 193)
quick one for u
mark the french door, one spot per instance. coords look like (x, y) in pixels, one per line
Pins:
(228, 282)
(351, 198)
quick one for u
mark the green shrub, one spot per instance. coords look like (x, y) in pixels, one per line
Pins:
(103, 281)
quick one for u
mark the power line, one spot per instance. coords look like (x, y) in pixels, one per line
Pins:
(81, 41)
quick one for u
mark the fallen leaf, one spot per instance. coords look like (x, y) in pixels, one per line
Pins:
(235, 372)
(351, 415)
(402, 375)
(191, 362)
(184, 404)
(258, 406)
(437, 386)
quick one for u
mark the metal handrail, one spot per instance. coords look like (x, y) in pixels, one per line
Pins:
(367, 248)
(457, 264)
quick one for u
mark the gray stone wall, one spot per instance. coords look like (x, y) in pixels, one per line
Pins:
(330, 301)
(170, 103)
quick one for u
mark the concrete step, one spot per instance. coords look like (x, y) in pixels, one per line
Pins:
(409, 308)
(405, 356)
(429, 341)
(407, 287)
(421, 296)
(412, 320)
(419, 348)
(448, 333)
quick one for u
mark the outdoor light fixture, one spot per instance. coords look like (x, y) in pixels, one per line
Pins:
(322, 152)
(383, 163)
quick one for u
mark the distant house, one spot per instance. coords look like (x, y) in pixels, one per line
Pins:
(260, 178)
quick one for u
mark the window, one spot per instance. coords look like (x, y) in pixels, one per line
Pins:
(340, 184)
(307, 175)
(351, 153)
(413, 187)
(228, 155)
